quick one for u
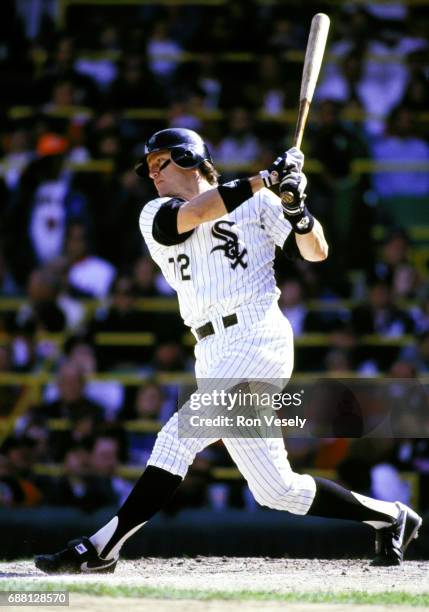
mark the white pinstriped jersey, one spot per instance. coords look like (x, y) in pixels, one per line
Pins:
(224, 263)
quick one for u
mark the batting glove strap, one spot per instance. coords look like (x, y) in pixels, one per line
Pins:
(275, 172)
(302, 222)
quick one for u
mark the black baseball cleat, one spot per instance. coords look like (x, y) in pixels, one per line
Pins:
(392, 542)
(79, 557)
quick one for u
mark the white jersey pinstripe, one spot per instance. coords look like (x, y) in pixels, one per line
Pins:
(259, 346)
(208, 279)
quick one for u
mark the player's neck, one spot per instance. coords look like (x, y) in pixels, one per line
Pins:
(194, 188)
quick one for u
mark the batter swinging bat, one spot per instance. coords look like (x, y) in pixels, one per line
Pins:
(312, 62)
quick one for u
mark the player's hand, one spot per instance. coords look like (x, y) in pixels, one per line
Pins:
(292, 192)
(290, 160)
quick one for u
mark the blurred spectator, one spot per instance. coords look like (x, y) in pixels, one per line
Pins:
(420, 313)
(270, 92)
(102, 69)
(71, 401)
(387, 484)
(8, 284)
(40, 210)
(394, 251)
(282, 37)
(292, 305)
(401, 143)
(72, 308)
(147, 407)
(18, 154)
(377, 83)
(62, 81)
(78, 487)
(380, 315)
(144, 276)
(185, 112)
(82, 414)
(338, 361)
(418, 354)
(413, 455)
(89, 275)
(135, 86)
(148, 402)
(42, 310)
(393, 265)
(203, 78)
(107, 393)
(342, 82)
(9, 393)
(17, 484)
(11, 493)
(122, 316)
(40, 314)
(169, 357)
(149, 280)
(163, 53)
(104, 462)
(335, 143)
(240, 145)
(416, 96)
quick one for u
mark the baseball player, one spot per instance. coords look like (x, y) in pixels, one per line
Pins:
(215, 245)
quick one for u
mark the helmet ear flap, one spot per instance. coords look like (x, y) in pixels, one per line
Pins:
(185, 157)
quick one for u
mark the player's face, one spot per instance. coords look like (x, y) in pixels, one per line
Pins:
(168, 178)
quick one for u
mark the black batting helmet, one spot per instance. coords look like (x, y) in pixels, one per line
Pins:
(188, 149)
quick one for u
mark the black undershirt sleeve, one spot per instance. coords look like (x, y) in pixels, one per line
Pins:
(290, 248)
(164, 228)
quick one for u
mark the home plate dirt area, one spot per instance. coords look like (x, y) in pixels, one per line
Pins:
(223, 584)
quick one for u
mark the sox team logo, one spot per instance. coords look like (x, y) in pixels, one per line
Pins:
(231, 245)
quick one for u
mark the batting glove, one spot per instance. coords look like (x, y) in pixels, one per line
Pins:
(291, 160)
(292, 194)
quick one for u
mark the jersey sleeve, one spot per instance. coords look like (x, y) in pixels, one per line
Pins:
(164, 228)
(273, 219)
(158, 222)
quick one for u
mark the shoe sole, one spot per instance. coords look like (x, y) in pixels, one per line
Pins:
(44, 565)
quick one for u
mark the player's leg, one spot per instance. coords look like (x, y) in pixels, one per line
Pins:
(396, 524)
(166, 468)
(264, 464)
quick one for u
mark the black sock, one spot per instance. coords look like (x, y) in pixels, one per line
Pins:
(152, 491)
(333, 501)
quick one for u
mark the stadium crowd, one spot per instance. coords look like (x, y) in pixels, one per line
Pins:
(77, 104)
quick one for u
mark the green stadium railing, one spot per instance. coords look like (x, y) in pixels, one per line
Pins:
(170, 304)
(150, 114)
(148, 339)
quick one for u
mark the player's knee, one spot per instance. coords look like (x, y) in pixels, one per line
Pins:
(295, 496)
(171, 453)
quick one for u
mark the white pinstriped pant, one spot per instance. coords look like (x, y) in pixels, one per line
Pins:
(260, 346)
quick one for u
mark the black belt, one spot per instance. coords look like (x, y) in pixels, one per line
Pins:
(207, 329)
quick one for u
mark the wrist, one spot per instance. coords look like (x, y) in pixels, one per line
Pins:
(302, 222)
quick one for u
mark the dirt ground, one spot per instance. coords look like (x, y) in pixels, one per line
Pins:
(233, 575)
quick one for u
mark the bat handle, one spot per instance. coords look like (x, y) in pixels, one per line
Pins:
(304, 106)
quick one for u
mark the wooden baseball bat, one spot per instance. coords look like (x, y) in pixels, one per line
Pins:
(313, 60)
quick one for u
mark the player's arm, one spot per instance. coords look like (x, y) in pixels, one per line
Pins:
(309, 234)
(313, 245)
(216, 202)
